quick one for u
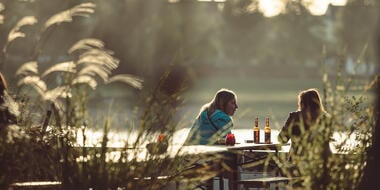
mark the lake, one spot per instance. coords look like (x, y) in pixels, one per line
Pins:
(256, 97)
(119, 138)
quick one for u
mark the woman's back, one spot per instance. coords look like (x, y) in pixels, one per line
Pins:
(214, 120)
(208, 129)
(304, 133)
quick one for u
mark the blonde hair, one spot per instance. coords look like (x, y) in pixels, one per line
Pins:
(310, 104)
(219, 101)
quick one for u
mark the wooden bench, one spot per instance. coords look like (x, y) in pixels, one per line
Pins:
(264, 182)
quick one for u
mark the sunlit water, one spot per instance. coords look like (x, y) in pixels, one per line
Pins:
(121, 138)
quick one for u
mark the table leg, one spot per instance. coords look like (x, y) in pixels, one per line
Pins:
(221, 182)
(233, 176)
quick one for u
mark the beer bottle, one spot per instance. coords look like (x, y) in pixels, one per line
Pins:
(267, 131)
(256, 131)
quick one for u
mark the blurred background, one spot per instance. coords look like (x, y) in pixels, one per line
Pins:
(264, 50)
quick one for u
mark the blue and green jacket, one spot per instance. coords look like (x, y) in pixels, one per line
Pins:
(204, 131)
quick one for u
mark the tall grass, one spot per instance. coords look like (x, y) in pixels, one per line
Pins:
(353, 115)
(350, 115)
(42, 146)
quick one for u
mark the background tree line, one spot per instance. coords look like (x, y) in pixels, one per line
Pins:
(206, 36)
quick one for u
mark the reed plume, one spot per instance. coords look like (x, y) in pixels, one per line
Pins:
(128, 79)
(16, 30)
(67, 66)
(86, 44)
(84, 10)
(27, 68)
(35, 82)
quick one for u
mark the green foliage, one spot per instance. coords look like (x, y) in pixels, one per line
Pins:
(346, 131)
(54, 104)
(350, 102)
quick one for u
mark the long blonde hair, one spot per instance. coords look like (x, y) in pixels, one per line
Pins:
(310, 104)
(219, 101)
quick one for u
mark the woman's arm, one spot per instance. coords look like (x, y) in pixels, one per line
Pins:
(285, 133)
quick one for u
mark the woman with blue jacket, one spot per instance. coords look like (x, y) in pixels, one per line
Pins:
(214, 120)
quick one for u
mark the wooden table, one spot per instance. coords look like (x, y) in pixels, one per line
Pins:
(233, 154)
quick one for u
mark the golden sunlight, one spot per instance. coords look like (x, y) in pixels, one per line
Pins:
(338, 2)
(271, 8)
(318, 7)
(218, 1)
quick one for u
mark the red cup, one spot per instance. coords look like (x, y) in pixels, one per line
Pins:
(230, 139)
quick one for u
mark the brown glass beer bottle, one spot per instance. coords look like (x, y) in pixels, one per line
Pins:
(256, 131)
(267, 131)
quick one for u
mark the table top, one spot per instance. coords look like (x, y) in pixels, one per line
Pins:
(141, 153)
(199, 149)
(255, 146)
